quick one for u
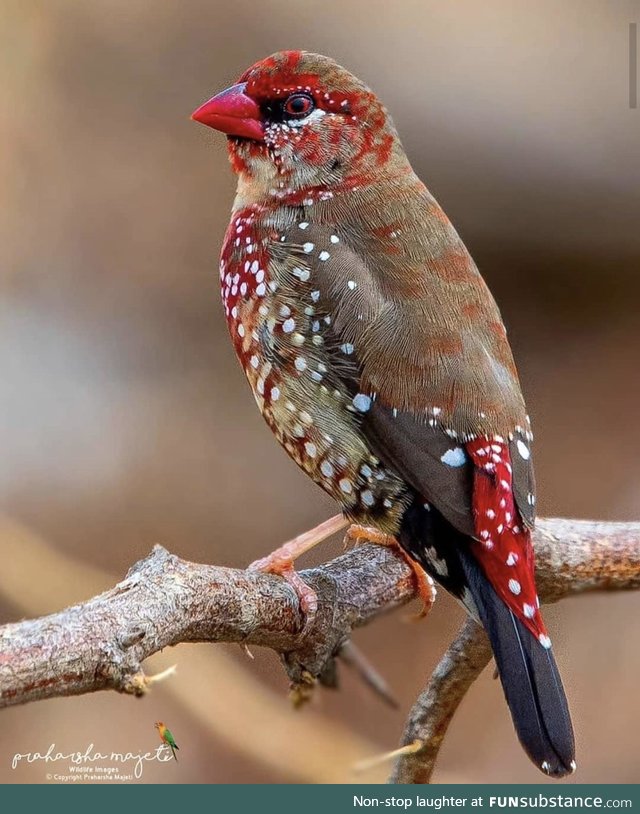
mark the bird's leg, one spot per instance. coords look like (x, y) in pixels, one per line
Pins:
(282, 559)
(425, 587)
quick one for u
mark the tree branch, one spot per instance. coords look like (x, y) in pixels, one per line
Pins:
(164, 600)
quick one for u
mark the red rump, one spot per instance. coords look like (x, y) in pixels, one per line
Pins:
(504, 547)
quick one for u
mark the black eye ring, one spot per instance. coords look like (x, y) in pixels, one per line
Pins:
(298, 105)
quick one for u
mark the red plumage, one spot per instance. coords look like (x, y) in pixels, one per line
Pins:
(503, 545)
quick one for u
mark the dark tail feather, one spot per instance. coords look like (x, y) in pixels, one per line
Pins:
(528, 671)
(529, 676)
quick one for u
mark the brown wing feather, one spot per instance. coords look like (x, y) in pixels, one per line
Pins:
(432, 354)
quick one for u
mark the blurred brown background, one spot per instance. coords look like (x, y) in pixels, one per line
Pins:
(125, 419)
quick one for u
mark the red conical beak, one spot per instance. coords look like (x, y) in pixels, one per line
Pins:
(232, 112)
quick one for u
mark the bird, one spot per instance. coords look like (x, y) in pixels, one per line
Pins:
(167, 738)
(379, 359)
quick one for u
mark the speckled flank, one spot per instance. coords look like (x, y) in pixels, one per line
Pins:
(280, 333)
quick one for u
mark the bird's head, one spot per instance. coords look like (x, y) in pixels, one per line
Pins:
(297, 121)
(159, 725)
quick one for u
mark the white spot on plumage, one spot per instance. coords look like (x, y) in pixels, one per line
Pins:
(514, 586)
(315, 296)
(347, 348)
(324, 255)
(512, 559)
(261, 290)
(303, 225)
(454, 457)
(334, 239)
(362, 402)
(307, 248)
(523, 449)
(351, 284)
(345, 486)
(300, 363)
(254, 361)
(289, 325)
(327, 469)
(545, 641)
(311, 449)
(241, 330)
(275, 393)
(367, 497)
(529, 611)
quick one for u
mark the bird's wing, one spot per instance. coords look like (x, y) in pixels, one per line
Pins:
(433, 358)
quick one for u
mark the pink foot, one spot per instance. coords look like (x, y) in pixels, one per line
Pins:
(281, 562)
(425, 588)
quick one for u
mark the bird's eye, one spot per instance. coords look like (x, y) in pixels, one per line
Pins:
(298, 105)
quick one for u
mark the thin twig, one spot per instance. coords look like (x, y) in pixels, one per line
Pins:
(430, 716)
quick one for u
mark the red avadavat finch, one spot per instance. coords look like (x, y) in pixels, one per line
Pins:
(379, 359)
